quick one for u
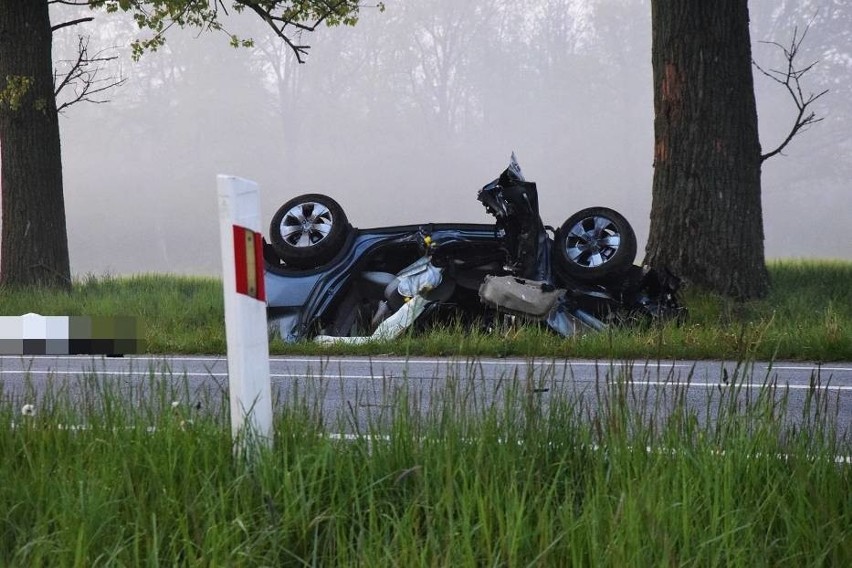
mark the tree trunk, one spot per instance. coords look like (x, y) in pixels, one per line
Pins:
(706, 218)
(34, 247)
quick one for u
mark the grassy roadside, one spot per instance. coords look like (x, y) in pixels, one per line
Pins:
(103, 471)
(808, 316)
(141, 481)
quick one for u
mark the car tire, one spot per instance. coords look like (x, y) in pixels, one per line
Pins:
(308, 230)
(594, 243)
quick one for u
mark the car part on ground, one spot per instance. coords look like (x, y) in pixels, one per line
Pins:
(327, 279)
(514, 295)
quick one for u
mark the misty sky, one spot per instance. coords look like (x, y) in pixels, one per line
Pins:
(404, 117)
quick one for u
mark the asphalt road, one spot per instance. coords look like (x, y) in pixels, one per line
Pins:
(353, 392)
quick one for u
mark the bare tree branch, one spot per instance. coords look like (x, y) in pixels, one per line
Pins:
(71, 23)
(82, 77)
(791, 78)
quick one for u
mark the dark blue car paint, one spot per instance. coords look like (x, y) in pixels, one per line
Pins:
(297, 298)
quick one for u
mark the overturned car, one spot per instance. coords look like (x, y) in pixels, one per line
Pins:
(330, 281)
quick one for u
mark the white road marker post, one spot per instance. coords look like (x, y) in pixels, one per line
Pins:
(246, 330)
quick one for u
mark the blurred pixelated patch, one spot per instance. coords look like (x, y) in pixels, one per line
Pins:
(34, 334)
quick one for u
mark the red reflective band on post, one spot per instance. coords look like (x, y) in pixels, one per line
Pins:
(248, 260)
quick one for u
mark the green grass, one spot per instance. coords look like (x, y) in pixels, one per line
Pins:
(110, 473)
(179, 314)
(808, 316)
(508, 481)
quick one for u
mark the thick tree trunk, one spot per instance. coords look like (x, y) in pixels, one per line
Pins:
(706, 218)
(34, 247)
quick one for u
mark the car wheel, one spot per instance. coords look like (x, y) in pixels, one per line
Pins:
(594, 243)
(307, 231)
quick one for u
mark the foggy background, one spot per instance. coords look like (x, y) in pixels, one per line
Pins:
(405, 116)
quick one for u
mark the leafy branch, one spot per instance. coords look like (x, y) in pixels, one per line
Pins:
(288, 19)
(304, 16)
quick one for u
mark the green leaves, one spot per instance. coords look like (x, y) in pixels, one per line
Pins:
(13, 93)
(236, 41)
(284, 16)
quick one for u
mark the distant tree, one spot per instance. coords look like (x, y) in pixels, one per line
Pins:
(706, 215)
(34, 248)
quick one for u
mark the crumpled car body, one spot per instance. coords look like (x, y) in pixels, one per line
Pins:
(333, 282)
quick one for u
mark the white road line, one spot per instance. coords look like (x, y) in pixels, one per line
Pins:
(358, 359)
(811, 368)
(328, 376)
(544, 361)
(537, 361)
